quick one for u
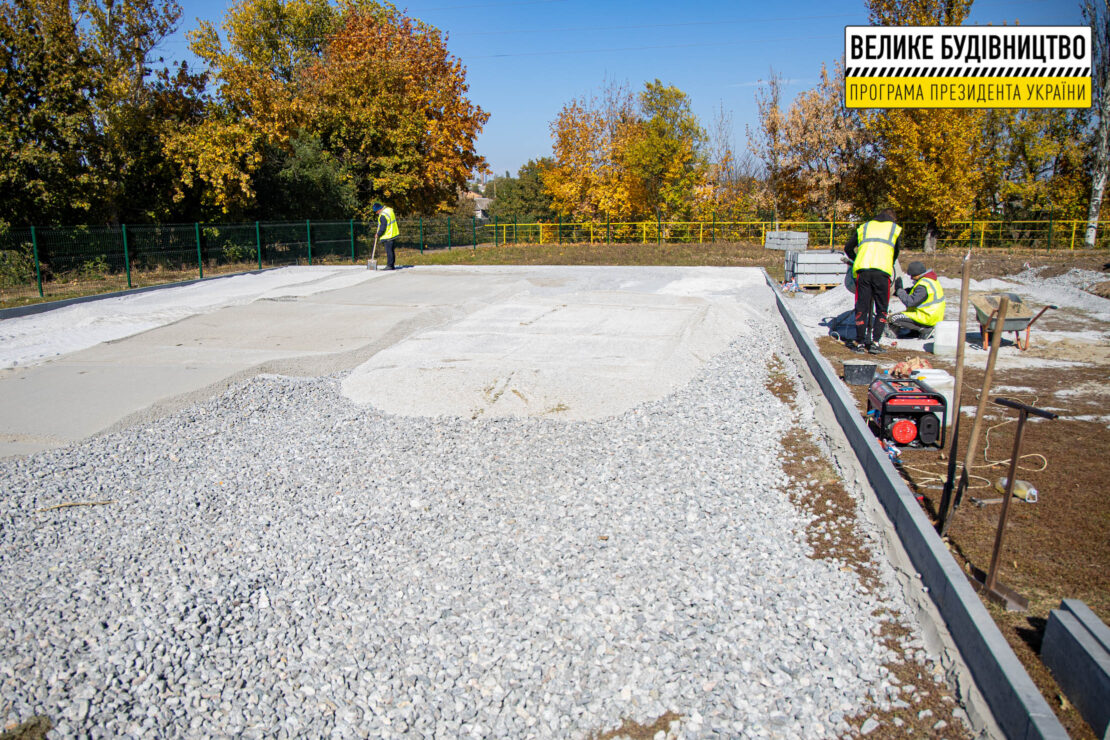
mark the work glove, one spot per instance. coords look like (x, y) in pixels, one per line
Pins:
(898, 285)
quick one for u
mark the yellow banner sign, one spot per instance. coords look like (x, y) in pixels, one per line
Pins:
(974, 67)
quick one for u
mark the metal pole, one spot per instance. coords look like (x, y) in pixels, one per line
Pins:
(495, 234)
(608, 230)
(713, 233)
(421, 235)
(514, 229)
(352, 240)
(474, 230)
(560, 227)
(200, 257)
(258, 243)
(659, 228)
(38, 268)
(126, 256)
(308, 236)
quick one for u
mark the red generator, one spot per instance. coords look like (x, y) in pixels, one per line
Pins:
(907, 412)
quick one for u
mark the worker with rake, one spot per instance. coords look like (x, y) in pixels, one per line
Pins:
(873, 249)
(387, 231)
(924, 304)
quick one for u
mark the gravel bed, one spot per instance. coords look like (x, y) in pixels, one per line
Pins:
(279, 562)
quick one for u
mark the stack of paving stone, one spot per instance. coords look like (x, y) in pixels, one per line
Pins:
(816, 267)
(788, 241)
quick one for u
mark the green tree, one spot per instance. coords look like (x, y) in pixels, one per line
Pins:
(45, 83)
(131, 101)
(523, 196)
(666, 154)
(303, 181)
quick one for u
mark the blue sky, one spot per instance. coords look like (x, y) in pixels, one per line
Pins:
(525, 59)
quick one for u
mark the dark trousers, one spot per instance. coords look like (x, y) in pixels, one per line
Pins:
(872, 301)
(389, 257)
(902, 324)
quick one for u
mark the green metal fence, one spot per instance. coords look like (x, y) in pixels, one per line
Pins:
(36, 263)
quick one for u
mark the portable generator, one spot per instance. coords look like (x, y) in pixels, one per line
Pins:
(907, 412)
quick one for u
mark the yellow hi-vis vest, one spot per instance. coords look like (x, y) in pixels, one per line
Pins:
(876, 246)
(931, 312)
(391, 229)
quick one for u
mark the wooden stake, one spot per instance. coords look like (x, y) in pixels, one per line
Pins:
(973, 443)
(957, 392)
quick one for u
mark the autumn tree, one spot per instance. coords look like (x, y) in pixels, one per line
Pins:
(830, 152)
(1036, 165)
(933, 157)
(260, 102)
(732, 181)
(587, 177)
(768, 143)
(624, 157)
(392, 100)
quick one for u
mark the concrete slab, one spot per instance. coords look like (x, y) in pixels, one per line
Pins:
(576, 342)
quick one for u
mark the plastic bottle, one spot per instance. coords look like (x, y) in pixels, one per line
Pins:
(1023, 489)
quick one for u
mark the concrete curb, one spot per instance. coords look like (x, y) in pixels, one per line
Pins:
(34, 308)
(1012, 697)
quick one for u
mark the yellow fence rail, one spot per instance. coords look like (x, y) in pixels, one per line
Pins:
(1056, 234)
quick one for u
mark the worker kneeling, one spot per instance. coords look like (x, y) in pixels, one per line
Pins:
(924, 304)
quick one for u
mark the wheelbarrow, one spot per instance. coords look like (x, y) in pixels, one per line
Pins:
(1018, 317)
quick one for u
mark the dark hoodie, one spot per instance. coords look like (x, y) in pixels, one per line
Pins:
(919, 294)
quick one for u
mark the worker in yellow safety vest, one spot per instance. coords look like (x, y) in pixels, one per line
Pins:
(387, 231)
(924, 303)
(873, 249)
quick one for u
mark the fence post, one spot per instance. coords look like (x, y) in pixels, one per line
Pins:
(474, 231)
(421, 234)
(1050, 218)
(38, 268)
(126, 256)
(608, 230)
(495, 234)
(200, 257)
(352, 240)
(448, 233)
(659, 228)
(560, 231)
(832, 225)
(713, 233)
(982, 235)
(308, 235)
(258, 243)
(1073, 223)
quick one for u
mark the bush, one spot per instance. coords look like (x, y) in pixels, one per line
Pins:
(17, 267)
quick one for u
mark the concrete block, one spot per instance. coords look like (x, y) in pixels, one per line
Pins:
(946, 338)
(1080, 663)
(786, 240)
(1087, 618)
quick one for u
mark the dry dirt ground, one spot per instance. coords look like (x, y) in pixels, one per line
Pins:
(1058, 547)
